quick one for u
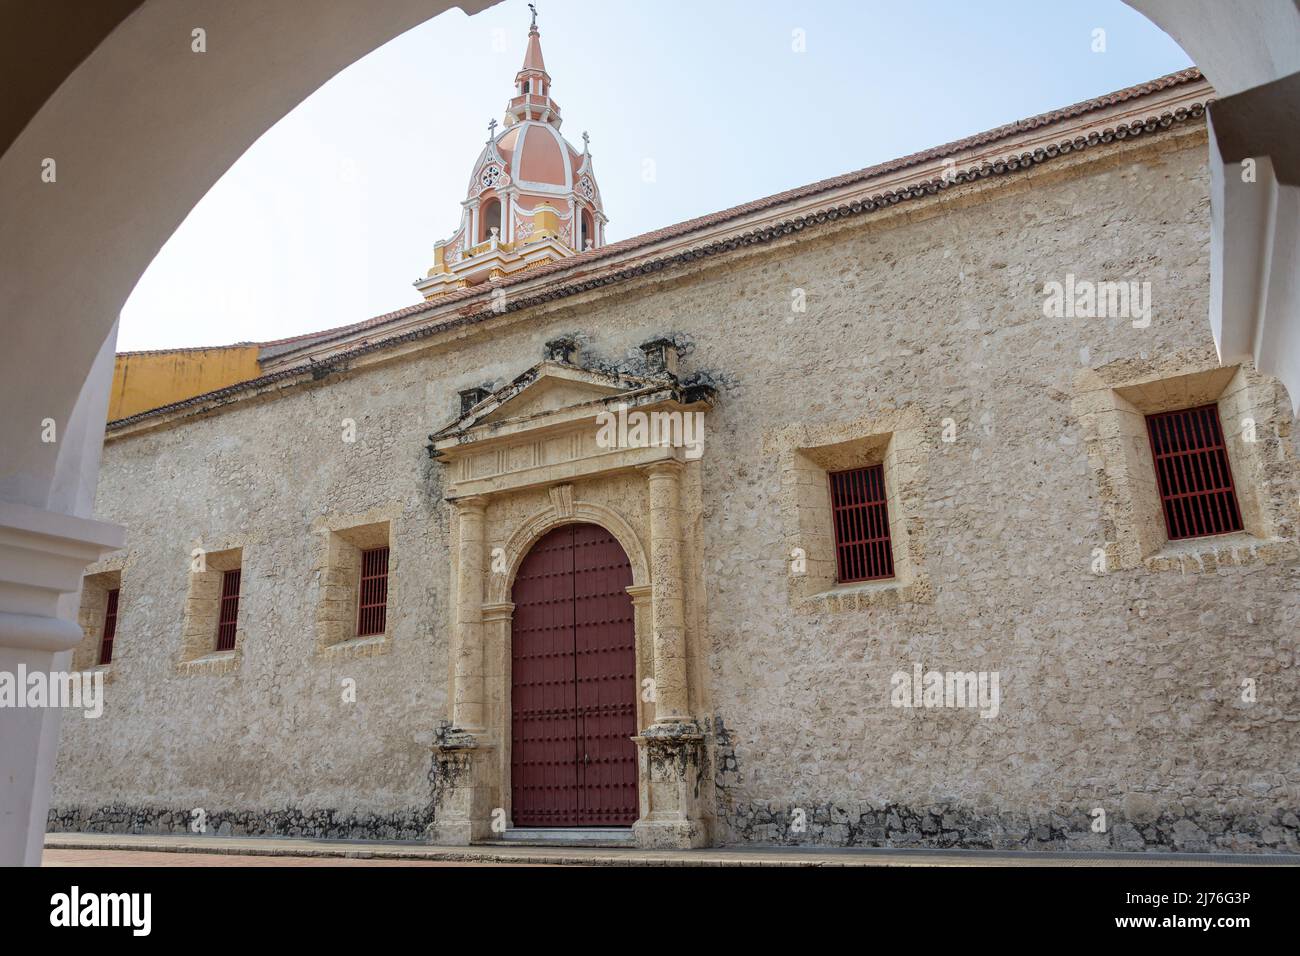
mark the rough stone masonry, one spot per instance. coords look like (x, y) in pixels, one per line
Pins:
(1122, 687)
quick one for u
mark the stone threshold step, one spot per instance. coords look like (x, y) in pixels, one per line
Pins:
(564, 836)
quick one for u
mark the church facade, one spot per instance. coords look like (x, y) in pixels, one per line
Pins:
(907, 508)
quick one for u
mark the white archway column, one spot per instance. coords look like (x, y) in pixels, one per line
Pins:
(42, 556)
(134, 150)
(43, 552)
(1250, 51)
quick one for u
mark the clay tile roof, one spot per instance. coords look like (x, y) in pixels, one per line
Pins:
(593, 268)
(274, 345)
(613, 250)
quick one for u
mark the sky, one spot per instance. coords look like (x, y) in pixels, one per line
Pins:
(692, 106)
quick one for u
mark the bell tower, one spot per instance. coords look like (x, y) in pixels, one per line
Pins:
(532, 196)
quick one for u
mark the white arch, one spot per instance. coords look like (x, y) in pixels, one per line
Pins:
(135, 149)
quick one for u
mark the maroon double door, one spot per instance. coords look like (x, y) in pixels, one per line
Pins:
(573, 683)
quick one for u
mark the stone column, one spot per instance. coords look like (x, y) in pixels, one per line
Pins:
(642, 610)
(497, 619)
(468, 704)
(464, 774)
(675, 788)
(668, 613)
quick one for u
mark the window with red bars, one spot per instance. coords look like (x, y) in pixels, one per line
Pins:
(110, 629)
(372, 605)
(1193, 473)
(229, 610)
(861, 518)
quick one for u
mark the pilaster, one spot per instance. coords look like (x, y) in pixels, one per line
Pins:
(469, 701)
(668, 605)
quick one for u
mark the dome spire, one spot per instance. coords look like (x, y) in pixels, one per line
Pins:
(532, 99)
(533, 58)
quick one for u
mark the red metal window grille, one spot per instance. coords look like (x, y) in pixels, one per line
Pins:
(372, 606)
(229, 610)
(110, 629)
(1193, 472)
(861, 519)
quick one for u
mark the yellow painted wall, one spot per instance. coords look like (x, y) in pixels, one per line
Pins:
(145, 380)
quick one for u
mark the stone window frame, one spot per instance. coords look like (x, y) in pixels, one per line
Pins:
(199, 655)
(1112, 402)
(98, 579)
(338, 576)
(807, 454)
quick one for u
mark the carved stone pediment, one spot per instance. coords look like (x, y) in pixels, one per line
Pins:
(551, 424)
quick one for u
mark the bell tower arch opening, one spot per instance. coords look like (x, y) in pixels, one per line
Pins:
(491, 219)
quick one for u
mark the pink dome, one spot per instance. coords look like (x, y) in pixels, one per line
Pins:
(528, 153)
(543, 156)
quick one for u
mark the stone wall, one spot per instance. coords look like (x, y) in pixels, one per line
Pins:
(1119, 690)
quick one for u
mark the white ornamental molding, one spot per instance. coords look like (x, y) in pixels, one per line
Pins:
(42, 557)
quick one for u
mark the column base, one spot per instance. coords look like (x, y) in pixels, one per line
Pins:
(463, 791)
(650, 834)
(676, 788)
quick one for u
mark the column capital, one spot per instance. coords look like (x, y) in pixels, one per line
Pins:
(640, 593)
(471, 504)
(498, 612)
(668, 468)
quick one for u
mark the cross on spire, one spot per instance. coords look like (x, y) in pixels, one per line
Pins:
(533, 25)
(585, 141)
(492, 129)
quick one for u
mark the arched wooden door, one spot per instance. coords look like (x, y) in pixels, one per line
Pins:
(573, 683)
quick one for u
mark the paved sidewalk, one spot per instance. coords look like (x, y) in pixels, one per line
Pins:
(288, 852)
(131, 858)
